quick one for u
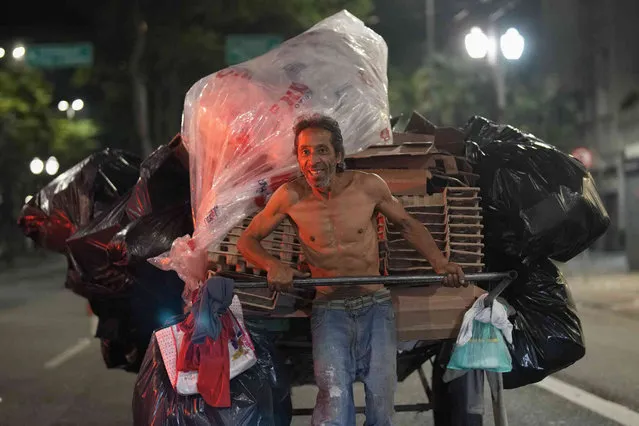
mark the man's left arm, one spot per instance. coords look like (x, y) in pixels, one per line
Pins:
(413, 231)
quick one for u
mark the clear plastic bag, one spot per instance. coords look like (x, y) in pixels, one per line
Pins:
(486, 350)
(238, 125)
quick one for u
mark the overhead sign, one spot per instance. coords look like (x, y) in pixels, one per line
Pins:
(242, 47)
(67, 55)
(584, 155)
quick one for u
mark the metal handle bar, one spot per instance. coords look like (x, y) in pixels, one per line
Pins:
(386, 280)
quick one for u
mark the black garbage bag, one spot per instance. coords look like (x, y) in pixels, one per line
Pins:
(537, 201)
(547, 335)
(150, 235)
(126, 324)
(88, 251)
(260, 396)
(164, 180)
(73, 199)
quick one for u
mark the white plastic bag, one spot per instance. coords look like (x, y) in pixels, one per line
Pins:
(496, 315)
(238, 125)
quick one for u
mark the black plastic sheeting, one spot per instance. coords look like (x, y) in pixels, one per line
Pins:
(259, 396)
(537, 201)
(142, 223)
(150, 235)
(88, 251)
(126, 323)
(547, 335)
(164, 182)
(73, 199)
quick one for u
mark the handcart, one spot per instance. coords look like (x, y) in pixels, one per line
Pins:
(414, 359)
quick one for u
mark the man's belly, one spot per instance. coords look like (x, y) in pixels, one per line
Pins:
(345, 291)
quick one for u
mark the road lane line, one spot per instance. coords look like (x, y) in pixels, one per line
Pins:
(68, 353)
(603, 407)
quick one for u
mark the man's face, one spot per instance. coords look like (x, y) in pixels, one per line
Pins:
(316, 157)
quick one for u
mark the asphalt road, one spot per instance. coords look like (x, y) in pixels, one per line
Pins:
(51, 372)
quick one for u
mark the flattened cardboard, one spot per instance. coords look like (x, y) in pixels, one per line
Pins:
(433, 312)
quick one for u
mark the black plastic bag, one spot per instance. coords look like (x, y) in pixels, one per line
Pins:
(88, 251)
(537, 201)
(126, 324)
(547, 335)
(164, 181)
(260, 396)
(150, 235)
(73, 199)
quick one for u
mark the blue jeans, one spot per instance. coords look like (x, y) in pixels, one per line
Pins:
(354, 343)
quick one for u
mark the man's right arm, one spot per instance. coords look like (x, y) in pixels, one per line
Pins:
(280, 276)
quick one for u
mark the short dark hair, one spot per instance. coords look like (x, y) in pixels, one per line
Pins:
(327, 123)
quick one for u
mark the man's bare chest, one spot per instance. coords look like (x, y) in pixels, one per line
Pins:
(339, 221)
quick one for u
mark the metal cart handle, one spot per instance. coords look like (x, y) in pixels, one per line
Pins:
(389, 280)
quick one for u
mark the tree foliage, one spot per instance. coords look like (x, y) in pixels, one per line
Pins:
(30, 127)
(450, 90)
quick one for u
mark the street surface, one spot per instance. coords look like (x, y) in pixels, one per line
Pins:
(51, 371)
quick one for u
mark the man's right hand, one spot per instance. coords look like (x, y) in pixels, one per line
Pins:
(280, 277)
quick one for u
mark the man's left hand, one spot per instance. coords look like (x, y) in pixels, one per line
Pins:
(453, 275)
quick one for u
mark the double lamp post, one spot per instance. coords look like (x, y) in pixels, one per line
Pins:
(480, 45)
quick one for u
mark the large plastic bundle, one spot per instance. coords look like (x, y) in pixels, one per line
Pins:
(238, 125)
(143, 223)
(537, 201)
(77, 196)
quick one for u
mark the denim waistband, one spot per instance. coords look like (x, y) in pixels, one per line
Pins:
(358, 302)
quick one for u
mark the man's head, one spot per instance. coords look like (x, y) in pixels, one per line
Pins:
(320, 150)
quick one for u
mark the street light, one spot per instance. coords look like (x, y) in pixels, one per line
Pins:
(71, 108)
(77, 105)
(36, 166)
(512, 44)
(19, 52)
(477, 43)
(480, 45)
(52, 166)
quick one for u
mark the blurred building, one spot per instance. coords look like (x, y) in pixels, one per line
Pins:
(588, 45)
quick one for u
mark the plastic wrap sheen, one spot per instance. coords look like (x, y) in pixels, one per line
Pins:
(77, 196)
(537, 201)
(238, 125)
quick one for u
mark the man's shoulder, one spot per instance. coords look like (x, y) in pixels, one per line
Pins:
(292, 191)
(366, 179)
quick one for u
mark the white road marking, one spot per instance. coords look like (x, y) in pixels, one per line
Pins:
(68, 353)
(603, 407)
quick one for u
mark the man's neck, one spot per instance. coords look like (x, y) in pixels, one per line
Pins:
(330, 191)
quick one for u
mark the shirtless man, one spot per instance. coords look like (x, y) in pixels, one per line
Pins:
(334, 213)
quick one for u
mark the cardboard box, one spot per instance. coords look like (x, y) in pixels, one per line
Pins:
(433, 312)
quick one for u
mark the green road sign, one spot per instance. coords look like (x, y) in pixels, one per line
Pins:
(59, 55)
(242, 47)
